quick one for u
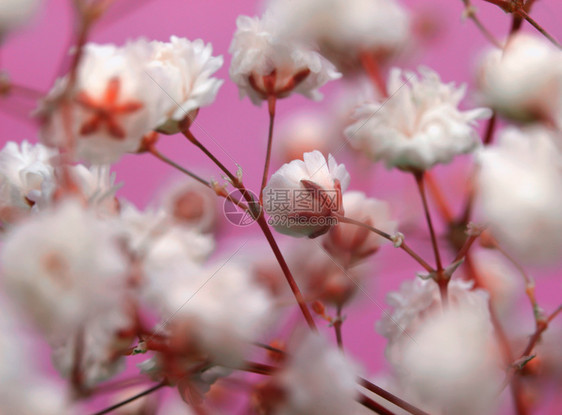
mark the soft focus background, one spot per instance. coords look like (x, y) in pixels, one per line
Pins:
(235, 130)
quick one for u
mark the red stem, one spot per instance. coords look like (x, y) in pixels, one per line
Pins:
(271, 101)
(286, 271)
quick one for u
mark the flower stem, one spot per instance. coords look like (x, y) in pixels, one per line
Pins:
(132, 398)
(374, 406)
(385, 235)
(373, 70)
(419, 176)
(272, 100)
(286, 271)
(337, 327)
(189, 135)
(377, 390)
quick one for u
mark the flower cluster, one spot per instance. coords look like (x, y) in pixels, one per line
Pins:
(128, 300)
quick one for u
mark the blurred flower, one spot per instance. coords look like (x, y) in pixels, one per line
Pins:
(103, 343)
(191, 204)
(24, 389)
(453, 362)
(317, 380)
(217, 311)
(64, 267)
(418, 301)
(264, 64)
(156, 238)
(350, 243)
(184, 70)
(26, 178)
(523, 81)
(301, 196)
(419, 126)
(518, 187)
(498, 278)
(343, 29)
(303, 133)
(14, 13)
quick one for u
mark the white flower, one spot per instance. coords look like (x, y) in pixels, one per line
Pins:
(343, 29)
(265, 64)
(102, 347)
(318, 380)
(303, 133)
(97, 186)
(302, 194)
(453, 363)
(24, 389)
(523, 81)
(114, 103)
(184, 70)
(191, 204)
(350, 243)
(217, 308)
(519, 184)
(159, 240)
(14, 13)
(64, 267)
(417, 301)
(26, 178)
(419, 126)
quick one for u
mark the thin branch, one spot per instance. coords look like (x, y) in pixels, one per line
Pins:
(377, 390)
(385, 235)
(272, 100)
(287, 272)
(132, 398)
(421, 188)
(337, 327)
(470, 12)
(537, 26)
(374, 406)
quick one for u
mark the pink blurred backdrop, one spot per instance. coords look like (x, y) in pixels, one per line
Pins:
(32, 57)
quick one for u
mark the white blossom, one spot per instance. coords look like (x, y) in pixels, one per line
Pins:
(314, 175)
(14, 13)
(113, 103)
(351, 243)
(97, 186)
(343, 29)
(419, 126)
(24, 389)
(317, 380)
(303, 133)
(418, 301)
(266, 64)
(159, 240)
(26, 178)
(191, 204)
(64, 267)
(453, 362)
(519, 184)
(184, 69)
(102, 347)
(217, 308)
(523, 81)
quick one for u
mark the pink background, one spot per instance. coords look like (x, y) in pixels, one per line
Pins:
(32, 57)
